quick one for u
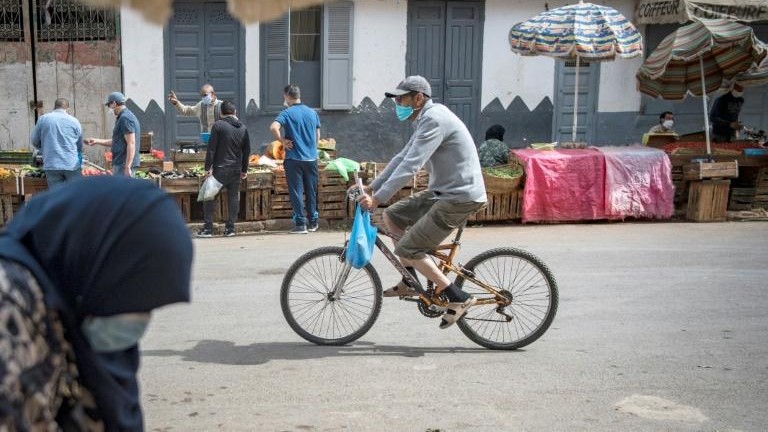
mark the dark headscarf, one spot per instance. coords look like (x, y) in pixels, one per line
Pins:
(495, 132)
(100, 247)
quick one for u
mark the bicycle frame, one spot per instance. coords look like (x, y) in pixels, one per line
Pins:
(446, 264)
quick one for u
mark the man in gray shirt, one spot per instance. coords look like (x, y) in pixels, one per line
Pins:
(59, 137)
(442, 144)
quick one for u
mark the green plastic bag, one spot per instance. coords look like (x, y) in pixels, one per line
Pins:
(343, 166)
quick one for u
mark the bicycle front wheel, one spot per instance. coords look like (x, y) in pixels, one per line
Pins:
(320, 315)
(526, 281)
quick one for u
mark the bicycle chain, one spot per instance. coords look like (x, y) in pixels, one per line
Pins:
(424, 309)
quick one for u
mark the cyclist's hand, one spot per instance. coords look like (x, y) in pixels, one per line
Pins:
(368, 202)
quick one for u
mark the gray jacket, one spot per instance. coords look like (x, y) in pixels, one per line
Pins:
(444, 147)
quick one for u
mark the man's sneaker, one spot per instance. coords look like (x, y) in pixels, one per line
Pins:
(229, 232)
(313, 227)
(402, 289)
(205, 233)
(299, 229)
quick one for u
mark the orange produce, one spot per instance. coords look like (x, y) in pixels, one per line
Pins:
(275, 150)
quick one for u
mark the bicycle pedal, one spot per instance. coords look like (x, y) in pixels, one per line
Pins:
(436, 308)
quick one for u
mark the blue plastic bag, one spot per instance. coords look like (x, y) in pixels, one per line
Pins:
(361, 240)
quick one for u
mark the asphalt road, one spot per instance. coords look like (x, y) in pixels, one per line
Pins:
(661, 327)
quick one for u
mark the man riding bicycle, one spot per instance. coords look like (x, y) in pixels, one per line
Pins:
(442, 144)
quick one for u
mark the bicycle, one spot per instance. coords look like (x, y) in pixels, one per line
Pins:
(328, 302)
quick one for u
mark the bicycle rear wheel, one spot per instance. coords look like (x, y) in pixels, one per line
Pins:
(311, 309)
(533, 291)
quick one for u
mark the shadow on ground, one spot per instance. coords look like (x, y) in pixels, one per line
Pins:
(227, 353)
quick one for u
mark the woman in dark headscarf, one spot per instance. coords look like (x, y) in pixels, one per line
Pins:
(493, 151)
(81, 268)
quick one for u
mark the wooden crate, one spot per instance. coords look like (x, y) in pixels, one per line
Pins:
(281, 207)
(258, 204)
(9, 185)
(741, 199)
(181, 185)
(707, 170)
(33, 185)
(263, 180)
(9, 205)
(184, 200)
(708, 200)
(500, 207)
(198, 157)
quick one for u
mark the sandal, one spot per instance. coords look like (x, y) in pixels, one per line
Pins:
(402, 289)
(455, 311)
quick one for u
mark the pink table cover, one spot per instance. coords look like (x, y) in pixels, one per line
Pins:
(563, 185)
(638, 183)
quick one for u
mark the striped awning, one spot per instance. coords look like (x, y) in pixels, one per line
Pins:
(753, 77)
(246, 11)
(582, 30)
(673, 70)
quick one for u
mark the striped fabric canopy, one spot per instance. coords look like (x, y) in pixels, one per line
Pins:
(753, 77)
(674, 69)
(582, 30)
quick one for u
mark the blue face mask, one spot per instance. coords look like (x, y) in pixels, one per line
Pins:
(207, 99)
(403, 112)
(115, 333)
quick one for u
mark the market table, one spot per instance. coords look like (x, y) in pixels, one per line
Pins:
(562, 185)
(596, 183)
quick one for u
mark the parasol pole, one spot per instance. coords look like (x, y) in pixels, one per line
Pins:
(704, 103)
(576, 102)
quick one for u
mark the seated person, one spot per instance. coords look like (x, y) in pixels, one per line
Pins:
(493, 151)
(666, 124)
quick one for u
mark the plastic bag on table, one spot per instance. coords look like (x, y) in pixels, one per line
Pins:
(361, 240)
(209, 189)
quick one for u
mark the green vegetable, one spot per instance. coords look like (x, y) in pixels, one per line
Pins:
(503, 171)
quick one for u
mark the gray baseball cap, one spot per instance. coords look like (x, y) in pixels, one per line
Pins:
(414, 83)
(115, 97)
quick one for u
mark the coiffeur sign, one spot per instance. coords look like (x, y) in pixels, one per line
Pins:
(680, 11)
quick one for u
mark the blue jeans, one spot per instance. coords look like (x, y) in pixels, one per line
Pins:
(57, 177)
(302, 180)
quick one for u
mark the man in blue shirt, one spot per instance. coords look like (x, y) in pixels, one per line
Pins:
(59, 137)
(125, 154)
(301, 126)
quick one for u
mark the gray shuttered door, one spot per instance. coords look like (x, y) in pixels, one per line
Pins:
(204, 46)
(337, 56)
(445, 46)
(589, 80)
(275, 68)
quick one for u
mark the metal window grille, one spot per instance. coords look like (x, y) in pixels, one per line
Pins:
(11, 21)
(68, 20)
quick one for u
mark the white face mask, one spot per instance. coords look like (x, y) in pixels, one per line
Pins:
(668, 124)
(115, 333)
(207, 99)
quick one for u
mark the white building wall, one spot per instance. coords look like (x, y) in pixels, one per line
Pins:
(506, 74)
(143, 59)
(618, 90)
(380, 38)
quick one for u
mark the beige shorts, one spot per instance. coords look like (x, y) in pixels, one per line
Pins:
(430, 220)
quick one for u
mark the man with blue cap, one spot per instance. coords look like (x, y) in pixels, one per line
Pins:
(125, 152)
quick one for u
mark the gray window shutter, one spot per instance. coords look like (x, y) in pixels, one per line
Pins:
(275, 69)
(337, 56)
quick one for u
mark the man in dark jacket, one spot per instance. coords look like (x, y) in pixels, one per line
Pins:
(724, 115)
(227, 161)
